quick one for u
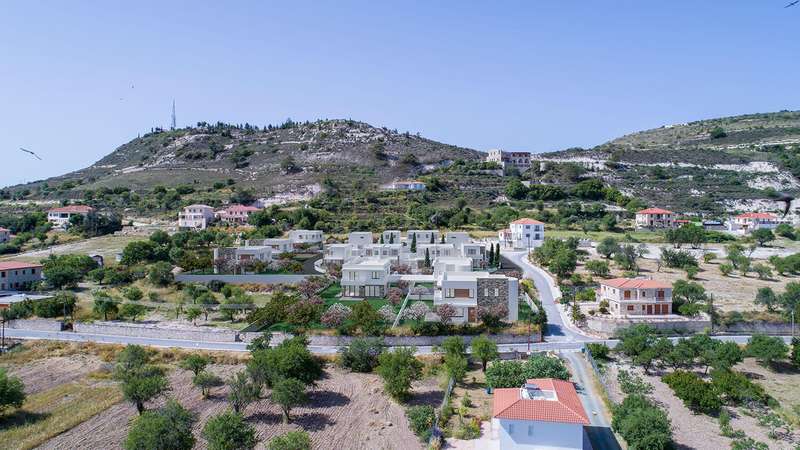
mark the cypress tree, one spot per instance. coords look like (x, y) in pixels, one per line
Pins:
(427, 258)
(414, 243)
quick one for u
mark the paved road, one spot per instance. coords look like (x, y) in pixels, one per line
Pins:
(599, 429)
(557, 329)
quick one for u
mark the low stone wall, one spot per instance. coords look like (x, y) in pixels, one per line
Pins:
(416, 341)
(610, 326)
(756, 327)
(242, 279)
(154, 331)
(36, 324)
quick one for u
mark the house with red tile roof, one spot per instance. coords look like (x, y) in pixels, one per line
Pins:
(522, 234)
(237, 214)
(636, 297)
(749, 222)
(16, 275)
(545, 413)
(60, 217)
(652, 218)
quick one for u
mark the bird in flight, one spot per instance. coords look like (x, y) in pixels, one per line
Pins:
(28, 151)
(792, 4)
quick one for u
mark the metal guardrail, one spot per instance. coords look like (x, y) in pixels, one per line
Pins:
(402, 308)
(600, 378)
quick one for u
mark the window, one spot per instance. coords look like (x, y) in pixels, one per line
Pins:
(496, 292)
(486, 292)
(449, 293)
(376, 275)
(511, 428)
(530, 430)
(630, 307)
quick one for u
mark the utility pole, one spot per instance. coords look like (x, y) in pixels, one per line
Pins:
(173, 114)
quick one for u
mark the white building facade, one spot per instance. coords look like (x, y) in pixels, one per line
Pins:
(196, 217)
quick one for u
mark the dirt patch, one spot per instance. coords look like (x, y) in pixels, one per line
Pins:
(48, 373)
(346, 410)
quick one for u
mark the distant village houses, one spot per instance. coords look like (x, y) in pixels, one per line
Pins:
(60, 217)
(196, 217)
(15, 275)
(517, 160)
(748, 222)
(405, 185)
(5, 235)
(236, 214)
(655, 218)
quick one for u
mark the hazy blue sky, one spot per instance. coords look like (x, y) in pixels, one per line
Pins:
(530, 75)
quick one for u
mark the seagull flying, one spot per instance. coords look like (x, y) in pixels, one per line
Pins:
(792, 4)
(37, 156)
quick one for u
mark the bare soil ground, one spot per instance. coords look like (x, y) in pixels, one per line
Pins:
(346, 411)
(107, 246)
(48, 373)
(691, 430)
(782, 384)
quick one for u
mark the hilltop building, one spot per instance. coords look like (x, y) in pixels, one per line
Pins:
(405, 185)
(522, 234)
(654, 218)
(518, 160)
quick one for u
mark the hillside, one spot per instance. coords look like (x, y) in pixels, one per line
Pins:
(702, 165)
(290, 159)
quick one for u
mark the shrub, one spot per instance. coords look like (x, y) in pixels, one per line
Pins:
(362, 354)
(642, 424)
(697, 395)
(387, 313)
(293, 440)
(632, 384)
(169, 428)
(398, 369)
(598, 268)
(737, 388)
(12, 391)
(598, 350)
(766, 349)
(336, 315)
(506, 374)
(229, 431)
(726, 269)
(420, 420)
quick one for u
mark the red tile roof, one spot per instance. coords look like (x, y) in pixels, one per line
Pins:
(75, 209)
(654, 211)
(635, 283)
(12, 265)
(4, 229)
(241, 208)
(565, 408)
(527, 221)
(754, 215)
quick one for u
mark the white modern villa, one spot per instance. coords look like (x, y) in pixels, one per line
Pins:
(522, 234)
(196, 217)
(365, 278)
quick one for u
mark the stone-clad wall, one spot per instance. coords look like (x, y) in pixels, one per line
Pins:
(491, 299)
(36, 324)
(152, 331)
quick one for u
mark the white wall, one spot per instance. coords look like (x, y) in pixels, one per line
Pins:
(544, 436)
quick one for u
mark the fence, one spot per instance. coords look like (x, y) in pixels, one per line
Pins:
(598, 375)
(436, 432)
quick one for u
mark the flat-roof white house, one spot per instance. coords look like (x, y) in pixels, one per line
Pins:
(359, 238)
(278, 245)
(394, 252)
(468, 291)
(457, 237)
(405, 185)
(59, 217)
(196, 217)
(365, 278)
(338, 253)
(239, 259)
(476, 251)
(522, 234)
(423, 236)
(306, 236)
(636, 297)
(749, 222)
(5, 235)
(652, 218)
(543, 414)
(18, 275)
(237, 214)
(391, 237)
(451, 264)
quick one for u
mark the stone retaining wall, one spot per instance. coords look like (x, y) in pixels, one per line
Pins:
(610, 326)
(36, 324)
(757, 327)
(242, 279)
(153, 331)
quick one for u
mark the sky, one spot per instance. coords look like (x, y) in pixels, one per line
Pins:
(78, 79)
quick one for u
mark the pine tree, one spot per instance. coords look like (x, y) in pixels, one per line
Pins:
(433, 241)
(414, 243)
(381, 239)
(491, 255)
(427, 258)
(391, 238)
